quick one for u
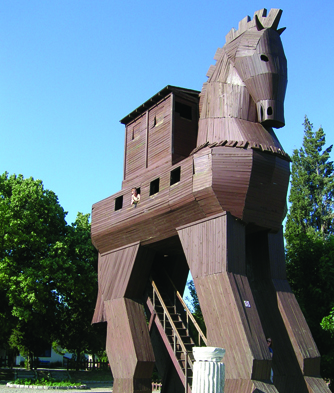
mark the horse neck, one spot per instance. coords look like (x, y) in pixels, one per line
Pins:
(227, 111)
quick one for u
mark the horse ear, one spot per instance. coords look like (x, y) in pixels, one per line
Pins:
(280, 31)
(259, 25)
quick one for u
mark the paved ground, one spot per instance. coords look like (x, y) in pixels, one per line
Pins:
(106, 389)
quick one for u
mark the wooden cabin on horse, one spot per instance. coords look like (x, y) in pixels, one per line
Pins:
(212, 179)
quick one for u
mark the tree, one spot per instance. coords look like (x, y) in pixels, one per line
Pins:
(48, 272)
(32, 226)
(196, 308)
(78, 293)
(312, 185)
(194, 302)
(309, 234)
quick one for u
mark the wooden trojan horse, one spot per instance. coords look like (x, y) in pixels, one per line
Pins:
(213, 180)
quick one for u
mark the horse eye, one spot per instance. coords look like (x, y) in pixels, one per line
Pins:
(264, 58)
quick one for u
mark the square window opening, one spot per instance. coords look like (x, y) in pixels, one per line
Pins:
(175, 175)
(183, 110)
(119, 203)
(154, 186)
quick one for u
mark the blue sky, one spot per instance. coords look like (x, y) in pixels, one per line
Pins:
(71, 69)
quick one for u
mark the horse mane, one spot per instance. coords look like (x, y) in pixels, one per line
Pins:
(260, 21)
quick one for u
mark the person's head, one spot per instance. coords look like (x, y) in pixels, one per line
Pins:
(134, 191)
(269, 342)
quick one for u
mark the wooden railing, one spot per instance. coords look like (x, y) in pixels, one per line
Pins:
(72, 364)
(156, 386)
(177, 340)
(189, 315)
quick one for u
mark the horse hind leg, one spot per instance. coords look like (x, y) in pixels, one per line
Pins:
(298, 332)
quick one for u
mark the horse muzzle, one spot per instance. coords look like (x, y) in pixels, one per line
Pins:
(270, 113)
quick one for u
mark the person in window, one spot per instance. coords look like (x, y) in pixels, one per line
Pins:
(135, 197)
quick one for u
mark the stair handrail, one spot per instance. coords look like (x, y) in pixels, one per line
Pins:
(182, 374)
(189, 314)
(175, 331)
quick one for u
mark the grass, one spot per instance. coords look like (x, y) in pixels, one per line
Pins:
(71, 377)
(44, 382)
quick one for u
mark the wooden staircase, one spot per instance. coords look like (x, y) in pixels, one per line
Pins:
(172, 318)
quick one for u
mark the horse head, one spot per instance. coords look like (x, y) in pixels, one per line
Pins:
(249, 79)
(261, 64)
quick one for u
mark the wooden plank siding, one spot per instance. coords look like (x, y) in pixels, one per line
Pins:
(316, 384)
(113, 229)
(266, 198)
(231, 174)
(122, 273)
(277, 255)
(219, 129)
(128, 346)
(184, 142)
(230, 324)
(248, 386)
(159, 133)
(295, 353)
(248, 183)
(135, 159)
(304, 346)
(160, 136)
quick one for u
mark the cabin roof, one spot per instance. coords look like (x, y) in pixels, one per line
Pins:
(157, 97)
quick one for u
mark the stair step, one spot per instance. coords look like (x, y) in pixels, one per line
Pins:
(175, 320)
(188, 345)
(168, 306)
(182, 331)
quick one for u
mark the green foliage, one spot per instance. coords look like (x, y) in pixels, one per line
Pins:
(327, 323)
(312, 185)
(78, 293)
(194, 302)
(44, 382)
(196, 309)
(32, 226)
(309, 234)
(48, 271)
(310, 268)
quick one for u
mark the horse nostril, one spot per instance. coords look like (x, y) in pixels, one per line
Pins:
(269, 111)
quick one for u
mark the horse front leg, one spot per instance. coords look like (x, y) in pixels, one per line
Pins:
(129, 347)
(123, 275)
(215, 249)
